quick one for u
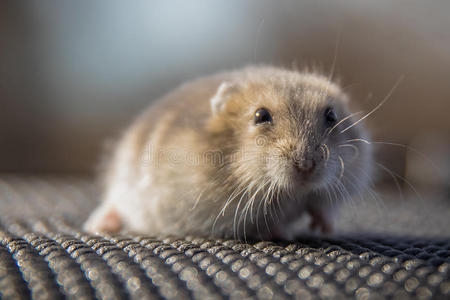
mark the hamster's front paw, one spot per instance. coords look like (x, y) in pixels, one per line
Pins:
(104, 219)
(320, 219)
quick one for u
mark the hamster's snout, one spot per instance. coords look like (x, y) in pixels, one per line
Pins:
(305, 166)
(306, 162)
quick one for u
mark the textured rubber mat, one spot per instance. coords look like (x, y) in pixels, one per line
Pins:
(44, 255)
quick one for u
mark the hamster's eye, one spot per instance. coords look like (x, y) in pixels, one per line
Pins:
(262, 115)
(330, 116)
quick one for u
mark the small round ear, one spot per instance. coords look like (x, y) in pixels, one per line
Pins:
(222, 95)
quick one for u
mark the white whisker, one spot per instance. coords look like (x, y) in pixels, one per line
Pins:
(249, 204)
(378, 106)
(397, 183)
(328, 153)
(343, 120)
(421, 154)
(342, 167)
(402, 178)
(235, 224)
(358, 140)
(355, 149)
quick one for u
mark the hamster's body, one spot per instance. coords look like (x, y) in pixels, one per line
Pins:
(238, 154)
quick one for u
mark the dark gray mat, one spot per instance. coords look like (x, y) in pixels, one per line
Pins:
(392, 253)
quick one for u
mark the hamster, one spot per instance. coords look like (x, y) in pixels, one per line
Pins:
(240, 154)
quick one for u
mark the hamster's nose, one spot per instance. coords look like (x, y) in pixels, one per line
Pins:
(305, 166)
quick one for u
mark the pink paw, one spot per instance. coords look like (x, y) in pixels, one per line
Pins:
(109, 221)
(320, 220)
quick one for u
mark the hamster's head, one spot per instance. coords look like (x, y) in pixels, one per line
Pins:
(288, 130)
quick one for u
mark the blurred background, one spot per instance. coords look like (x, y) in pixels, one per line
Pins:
(73, 74)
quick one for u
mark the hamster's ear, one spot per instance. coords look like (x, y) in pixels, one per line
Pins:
(222, 95)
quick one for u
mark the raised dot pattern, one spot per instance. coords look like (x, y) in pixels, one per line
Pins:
(50, 258)
(48, 265)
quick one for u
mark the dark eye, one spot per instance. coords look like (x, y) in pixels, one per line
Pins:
(330, 116)
(262, 115)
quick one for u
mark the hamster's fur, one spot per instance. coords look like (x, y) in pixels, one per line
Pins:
(240, 154)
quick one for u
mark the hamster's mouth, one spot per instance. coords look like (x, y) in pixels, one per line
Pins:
(307, 179)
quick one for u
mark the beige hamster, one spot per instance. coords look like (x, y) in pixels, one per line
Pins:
(240, 154)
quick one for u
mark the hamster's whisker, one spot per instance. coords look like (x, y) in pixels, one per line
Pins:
(378, 106)
(326, 153)
(235, 225)
(247, 205)
(358, 140)
(347, 202)
(397, 183)
(370, 187)
(412, 149)
(327, 192)
(328, 132)
(332, 186)
(239, 189)
(270, 202)
(251, 199)
(337, 192)
(257, 218)
(273, 200)
(355, 186)
(400, 177)
(244, 213)
(345, 194)
(232, 196)
(407, 147)
(333, 65)
(343, 189)
(279, 195)
(198, 198)
(264, 201)
(211, 184)
(355, 149)
(342, 167)
(277, 198)
(379, 202)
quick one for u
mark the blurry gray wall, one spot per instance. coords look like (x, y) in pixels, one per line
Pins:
(73, 73)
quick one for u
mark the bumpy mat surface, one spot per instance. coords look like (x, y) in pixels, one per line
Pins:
(44, 254)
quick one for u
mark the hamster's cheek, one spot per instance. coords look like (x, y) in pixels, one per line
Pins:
(278, 168)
